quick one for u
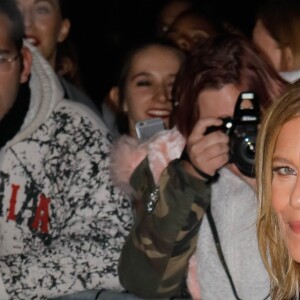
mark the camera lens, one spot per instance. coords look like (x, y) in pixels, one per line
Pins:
(250, 149)
(243, 152)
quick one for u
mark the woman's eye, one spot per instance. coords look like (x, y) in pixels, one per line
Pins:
(143, 83)
(284, 171)
(42, 9)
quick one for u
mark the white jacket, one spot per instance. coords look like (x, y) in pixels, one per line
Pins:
(62, 222)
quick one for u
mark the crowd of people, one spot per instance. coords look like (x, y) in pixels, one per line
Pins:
(208, 207)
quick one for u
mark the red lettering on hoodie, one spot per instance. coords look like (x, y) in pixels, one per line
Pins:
(42, 215)
(12, 202)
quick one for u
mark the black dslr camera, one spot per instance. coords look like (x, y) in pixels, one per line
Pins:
(242, 132)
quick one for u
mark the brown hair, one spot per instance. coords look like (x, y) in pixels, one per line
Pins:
(224, 59)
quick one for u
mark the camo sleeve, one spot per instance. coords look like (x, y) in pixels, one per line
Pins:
(155, 256)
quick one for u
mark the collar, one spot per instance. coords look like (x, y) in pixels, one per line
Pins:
(13, 120)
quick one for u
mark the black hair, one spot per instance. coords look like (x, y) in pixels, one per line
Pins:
(64, 6)
(17, 31)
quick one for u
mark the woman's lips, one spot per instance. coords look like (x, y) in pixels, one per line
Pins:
(158, 113)
(295, 226)
(32, 40)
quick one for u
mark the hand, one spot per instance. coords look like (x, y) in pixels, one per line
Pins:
(208, 152)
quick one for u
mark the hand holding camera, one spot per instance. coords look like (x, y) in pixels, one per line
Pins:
(207, 153)
(242, 132)
(215, 142)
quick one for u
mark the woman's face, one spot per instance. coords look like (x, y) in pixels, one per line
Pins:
(262, 38)
(149, 83)
(187, 31)
(168, 15)
(286, 185)
(44, 26)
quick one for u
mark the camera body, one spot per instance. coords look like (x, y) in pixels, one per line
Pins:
(242, 131)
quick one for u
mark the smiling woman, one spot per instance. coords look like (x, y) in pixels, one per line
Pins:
(278, 168)
(145, 84)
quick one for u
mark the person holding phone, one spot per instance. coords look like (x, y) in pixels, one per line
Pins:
(278, 192)
(177, 188)
(145, 83)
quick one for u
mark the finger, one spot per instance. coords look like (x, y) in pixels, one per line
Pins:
(196, 147)
(213, 153)
(201, 127)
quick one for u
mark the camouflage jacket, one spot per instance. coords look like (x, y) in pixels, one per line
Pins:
(154, 259)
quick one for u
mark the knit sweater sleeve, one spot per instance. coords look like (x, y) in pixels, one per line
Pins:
(155, 256)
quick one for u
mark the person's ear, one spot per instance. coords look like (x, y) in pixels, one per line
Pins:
(288, 59)
(125, 107)
(67, 67)
(113, 98)
(26, 64)
(64, 30)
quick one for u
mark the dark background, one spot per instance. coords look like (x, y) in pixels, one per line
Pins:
(101, 30)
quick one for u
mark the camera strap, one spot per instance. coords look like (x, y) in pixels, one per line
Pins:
(220, 252)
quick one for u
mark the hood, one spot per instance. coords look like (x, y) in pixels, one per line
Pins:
(46, 92)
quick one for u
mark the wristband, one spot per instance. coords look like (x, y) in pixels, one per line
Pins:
(208, 178)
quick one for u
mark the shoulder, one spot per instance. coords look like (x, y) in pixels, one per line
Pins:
(79, 112)
(74, 126)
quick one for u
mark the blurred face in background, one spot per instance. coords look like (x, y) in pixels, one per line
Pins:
(44, 25)
(169, 13)
(188, 30)
(13, 72)
(262, 38)
(148, 86)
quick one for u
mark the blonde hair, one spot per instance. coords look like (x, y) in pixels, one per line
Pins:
(283, 270)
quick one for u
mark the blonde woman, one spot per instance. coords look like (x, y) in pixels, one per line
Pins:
(277, 169)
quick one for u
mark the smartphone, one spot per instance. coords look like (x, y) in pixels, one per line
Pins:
(146, 128)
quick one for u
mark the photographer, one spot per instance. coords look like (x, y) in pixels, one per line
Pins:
(177, 192)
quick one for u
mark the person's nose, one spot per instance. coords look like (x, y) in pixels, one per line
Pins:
(27, 18)
(295, 195)
(163, 94)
